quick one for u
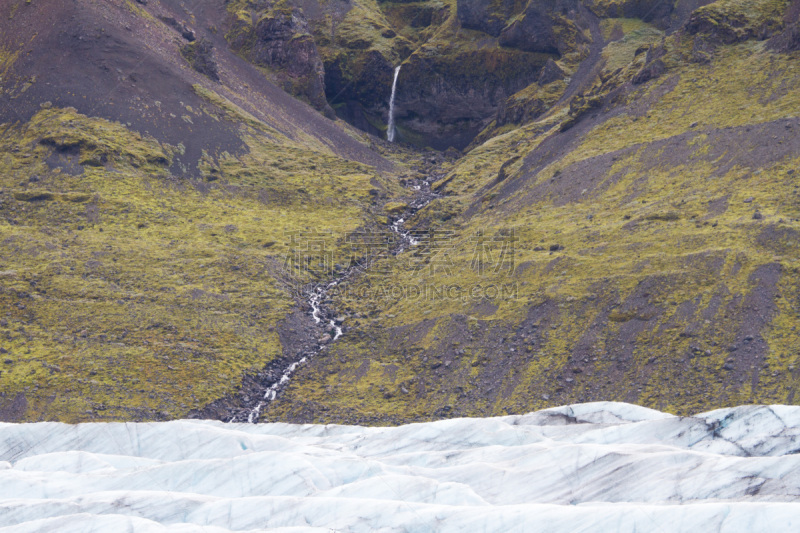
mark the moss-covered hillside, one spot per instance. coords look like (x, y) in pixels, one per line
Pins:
(656, 219)
(142, 269)
(129, 293)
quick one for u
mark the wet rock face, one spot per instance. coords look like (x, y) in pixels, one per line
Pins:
(446, 97)
(359, 90)
(446, 100)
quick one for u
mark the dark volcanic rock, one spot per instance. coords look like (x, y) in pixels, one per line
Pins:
(184, 30)
(656, 12)
(533, 33)
(519, 113)
(649, 72)
(280, 40)
(200, 55)
(503, 172)
(531, 29)
(786, 41)
(722, 25)
(446, 100)
(550, 73)
(446, 96)
(484, 15)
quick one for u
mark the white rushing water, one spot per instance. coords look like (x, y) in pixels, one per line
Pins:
(390, 131)
(597, 467)
(398, 226)
(315, 297)
(315, 300)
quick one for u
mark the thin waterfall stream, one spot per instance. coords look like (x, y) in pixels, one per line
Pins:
(391, 130)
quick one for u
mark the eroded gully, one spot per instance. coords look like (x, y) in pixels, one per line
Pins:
(323, 315)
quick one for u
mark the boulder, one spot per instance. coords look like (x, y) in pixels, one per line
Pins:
(649, 72)
(200, 55)
(550, 72)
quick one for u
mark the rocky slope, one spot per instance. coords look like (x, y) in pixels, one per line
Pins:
(622, 224)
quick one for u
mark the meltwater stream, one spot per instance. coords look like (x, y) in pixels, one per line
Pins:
(315, 299)
(316, 295)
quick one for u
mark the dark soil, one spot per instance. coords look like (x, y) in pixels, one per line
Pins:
(105, 61)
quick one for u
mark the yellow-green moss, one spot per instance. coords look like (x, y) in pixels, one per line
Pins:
(7, 59)
(636, 35)
(132, 294)
(646, 221)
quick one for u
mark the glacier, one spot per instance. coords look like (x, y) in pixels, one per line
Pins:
(581, 468)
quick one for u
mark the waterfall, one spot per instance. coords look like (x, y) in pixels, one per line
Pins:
(390, 131)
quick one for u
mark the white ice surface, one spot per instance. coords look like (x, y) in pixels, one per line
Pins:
(581, 468)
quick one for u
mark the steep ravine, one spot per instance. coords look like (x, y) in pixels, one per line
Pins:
(321, 322)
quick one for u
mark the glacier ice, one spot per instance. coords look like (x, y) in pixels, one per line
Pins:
(589, 467)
